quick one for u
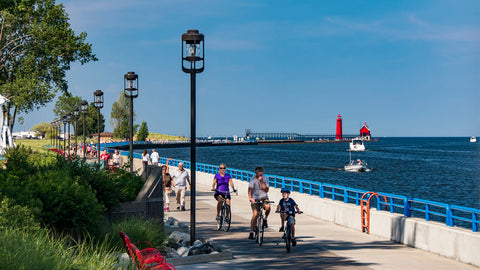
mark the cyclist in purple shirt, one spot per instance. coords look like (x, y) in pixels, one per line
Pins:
(221, 181)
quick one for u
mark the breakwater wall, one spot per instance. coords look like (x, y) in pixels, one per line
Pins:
(391, 219)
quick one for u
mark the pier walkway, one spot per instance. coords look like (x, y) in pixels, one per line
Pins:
(321, 245)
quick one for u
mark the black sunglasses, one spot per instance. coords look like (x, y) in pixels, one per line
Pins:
(222, 168)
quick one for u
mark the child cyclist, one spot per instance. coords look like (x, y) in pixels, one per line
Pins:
(288, 205)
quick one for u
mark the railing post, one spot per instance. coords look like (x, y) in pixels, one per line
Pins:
(427, 212)
(310, 188)
(283, 182)
(300, 186)
(391, 205)
(379, 203)
(333, 193)
(449, 216)
(345, 195)
(407, 205)
(320, 189)
(474, 222)
(275, 182)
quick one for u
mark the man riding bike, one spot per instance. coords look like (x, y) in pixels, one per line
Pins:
(258, 191)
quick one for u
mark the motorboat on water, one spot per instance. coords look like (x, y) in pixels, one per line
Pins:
(473, 139)
(357, 145)
(356, 166)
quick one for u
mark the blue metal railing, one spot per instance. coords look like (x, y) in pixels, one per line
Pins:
(429, 210)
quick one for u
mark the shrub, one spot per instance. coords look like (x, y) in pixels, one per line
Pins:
(12, 215)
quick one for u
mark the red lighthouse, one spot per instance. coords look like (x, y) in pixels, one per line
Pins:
(339, 128)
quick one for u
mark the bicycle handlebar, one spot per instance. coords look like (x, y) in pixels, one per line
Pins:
(289, 212)
(225, 192)
(262, 202)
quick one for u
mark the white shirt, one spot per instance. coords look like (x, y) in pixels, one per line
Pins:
(116, 158)
(145, 157)
(257, 192)
(155, 157)
(180, 178)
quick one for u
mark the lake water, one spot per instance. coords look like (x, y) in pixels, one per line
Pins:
(439, 169)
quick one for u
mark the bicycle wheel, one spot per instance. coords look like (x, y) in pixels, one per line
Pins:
(260, 230)
(288, 237)
(227, 218)
(220, 220)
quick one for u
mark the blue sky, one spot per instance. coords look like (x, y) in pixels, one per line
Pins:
(407, 68)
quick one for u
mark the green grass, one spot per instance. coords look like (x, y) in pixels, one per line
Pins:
(158, 136)
(36, 145)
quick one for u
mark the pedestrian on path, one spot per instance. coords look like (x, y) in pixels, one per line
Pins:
(167, 186)
(145, 159)
(258, 190)
(180, 179)
(154, 157)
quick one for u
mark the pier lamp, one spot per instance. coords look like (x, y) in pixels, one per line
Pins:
(64, 121)
(57, 132)
(193, 51)
(69, 119)
(130, 85)
(98, 102)
(76, 112)
(84, 106)
(51, 133)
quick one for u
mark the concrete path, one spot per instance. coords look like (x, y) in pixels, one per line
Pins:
(321, 245)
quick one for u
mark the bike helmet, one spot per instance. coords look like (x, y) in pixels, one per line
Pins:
(285, 190)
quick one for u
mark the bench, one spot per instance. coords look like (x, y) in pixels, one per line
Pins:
(148, 258)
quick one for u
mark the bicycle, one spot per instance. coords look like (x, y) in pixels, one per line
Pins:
(259, 228)
(287, 233)
(225, 217)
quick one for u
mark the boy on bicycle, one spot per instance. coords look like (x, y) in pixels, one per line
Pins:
(288, 205)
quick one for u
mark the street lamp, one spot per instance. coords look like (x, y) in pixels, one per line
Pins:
(69, 118)
(64, 120)
(193, 51)
(59, 129)
(98, 102)
(76, 111)
(84, 110)
(51, 133)
(130, 85)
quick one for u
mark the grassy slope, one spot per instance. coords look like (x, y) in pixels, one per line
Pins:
(158, 136)
(36, 145)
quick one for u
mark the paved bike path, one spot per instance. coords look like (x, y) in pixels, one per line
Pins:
(321, 245)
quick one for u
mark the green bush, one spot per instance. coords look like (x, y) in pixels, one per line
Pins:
(12, 215)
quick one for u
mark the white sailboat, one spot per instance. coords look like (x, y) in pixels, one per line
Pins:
(473, 139)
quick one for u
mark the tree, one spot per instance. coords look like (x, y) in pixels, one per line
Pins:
(37, 46)
(65, 104)
(120, 117)
(41, 129)
(142, 133)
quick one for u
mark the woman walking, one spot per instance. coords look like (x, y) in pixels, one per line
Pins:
(145, 159)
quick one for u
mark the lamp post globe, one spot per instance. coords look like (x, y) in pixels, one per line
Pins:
(98, 103)
(193, 51)
(130, 88)
(76, 112)
(84, 107)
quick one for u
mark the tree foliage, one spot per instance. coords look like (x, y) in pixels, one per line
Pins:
(142, 133)
(120, 117)
(91, 117)
(42, 129)
(37, 46)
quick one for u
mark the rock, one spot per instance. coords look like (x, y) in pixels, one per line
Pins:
(214, 252)
(202, 249)
(197, 243)
(124, 261)
(183, 251)
(168, 252)
(177, 238)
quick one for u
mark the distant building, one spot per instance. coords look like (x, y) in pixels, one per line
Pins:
(365, 132)
(24, 135)
(104, 136)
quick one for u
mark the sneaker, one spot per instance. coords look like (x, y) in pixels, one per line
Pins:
(294, 242)
(178, 207)
(217, 218)
(282, 229)
(265, 224)
(183, 208)
(251, 237)
(168, 209)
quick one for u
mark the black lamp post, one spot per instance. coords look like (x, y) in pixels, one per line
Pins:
(98, 102)
(64, 120)
(193, 50)
(69, 118)
(51, 133)
(130, 85)
(84, 110)
(76, 111)
(59, 129)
